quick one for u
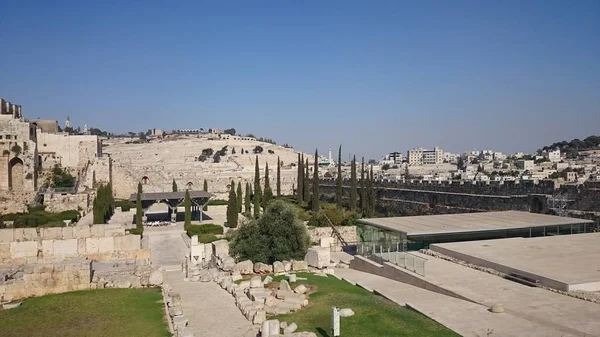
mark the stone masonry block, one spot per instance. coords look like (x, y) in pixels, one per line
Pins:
(106, 244)
(91, 245)
(81, 246)
(65, 247)
(48, 247)
(23, 249)
(52, 233)
(97, 230)
(127, 243)
(67, 233)
(7, 235)
(4, 251)
(81, 232)
(30, 234)
(114, 230)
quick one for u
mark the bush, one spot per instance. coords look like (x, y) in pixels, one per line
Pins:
(29, 176)
(276, 236)
(192, 230)
(334, 213)
(125, 205)
(208, 152)
(218, 202)
(38, 217)
(62, 178)
(16, 149)
(207, 238)
(5, 153)
(257, 149)
(136, 231)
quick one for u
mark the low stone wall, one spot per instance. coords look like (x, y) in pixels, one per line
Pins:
(97, 242)
(42, 279)
(348, 233)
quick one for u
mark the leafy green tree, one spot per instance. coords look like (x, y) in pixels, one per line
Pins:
(315, 184)
(268, 194)
(205, 189)
(278, 177)
(174, 185)
(339, 190)
(247, 201)
(232, 207)
(240, 197)
(300, 180)
(138, 208)
(187, 203)
(353, 191)
(276, 236)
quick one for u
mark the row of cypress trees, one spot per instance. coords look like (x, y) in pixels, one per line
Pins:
(308, 190)
(260, 198)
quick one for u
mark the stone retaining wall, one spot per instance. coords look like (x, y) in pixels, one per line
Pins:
(348, 233)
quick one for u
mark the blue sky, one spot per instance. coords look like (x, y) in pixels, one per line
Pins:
(375, 76)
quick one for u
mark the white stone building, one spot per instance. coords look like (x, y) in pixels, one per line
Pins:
(422, 156)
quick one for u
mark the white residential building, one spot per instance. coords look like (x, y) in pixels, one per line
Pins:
(425, 157)
(553, 156)
(527, 165)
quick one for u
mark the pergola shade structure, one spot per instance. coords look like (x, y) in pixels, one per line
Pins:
(199, 199)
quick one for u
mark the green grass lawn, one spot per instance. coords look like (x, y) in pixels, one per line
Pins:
(90, 313)
(374, 315)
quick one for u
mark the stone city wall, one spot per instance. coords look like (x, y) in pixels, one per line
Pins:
(15, 201)
(99, 172)
(97, 242)
(74, 151)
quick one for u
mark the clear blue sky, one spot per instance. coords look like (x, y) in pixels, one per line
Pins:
(375, 76)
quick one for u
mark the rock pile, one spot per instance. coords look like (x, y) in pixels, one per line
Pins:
(176, 314)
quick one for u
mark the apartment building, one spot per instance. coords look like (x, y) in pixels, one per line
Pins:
(422, 156)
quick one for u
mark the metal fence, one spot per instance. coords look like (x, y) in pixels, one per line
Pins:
(394, 253)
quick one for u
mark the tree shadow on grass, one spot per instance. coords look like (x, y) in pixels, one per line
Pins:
(323, 332)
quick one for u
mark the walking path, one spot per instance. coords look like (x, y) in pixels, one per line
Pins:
(210, 310)
(466, 318)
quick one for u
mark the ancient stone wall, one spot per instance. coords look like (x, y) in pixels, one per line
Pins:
(74, 151)
(98, 172)
(42, 245)
(348, 233)
(56, 203)
(15, 201)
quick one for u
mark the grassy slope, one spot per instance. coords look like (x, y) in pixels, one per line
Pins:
(374, 315)
(93, 313)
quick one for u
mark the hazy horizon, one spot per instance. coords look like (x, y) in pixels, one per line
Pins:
(376, 77)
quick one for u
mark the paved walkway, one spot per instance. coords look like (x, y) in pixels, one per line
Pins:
(568, 314)
(210, 310)
(466, 318)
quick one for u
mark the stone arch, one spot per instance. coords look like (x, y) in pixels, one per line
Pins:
(16, 174)
(145, 180)
(537, 205)
(189, 185)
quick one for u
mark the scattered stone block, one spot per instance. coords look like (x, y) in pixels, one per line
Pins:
(220, 248)
(292, 278)
(326, 242)
(156, 278)
(267, 280)
(283, 324)
(259, 317)
(244, 267)
(318, 257)
(346, 312)
(260, 267)
(284, 285)
(290, 328)
(228, 263)
(179, 322)
(256, 282)
(274, 327)
(299, 266)
(278, 267)
(301, 289)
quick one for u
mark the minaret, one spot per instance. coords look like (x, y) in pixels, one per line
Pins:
(85, 128)
(68, 123)
(330, 159)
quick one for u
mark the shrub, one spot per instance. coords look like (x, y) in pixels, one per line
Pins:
(29, 176)
(136, 231)
(318, 219)
(38, 217)
(125, 205)
(257, 149)
(207, 238)
(5, 153)
(202, 158)
(192, 230)
(62, 178)
(16, 149)
(276, 236)
(218, 202)
(217, 158)
(334, 213)
(208, 152)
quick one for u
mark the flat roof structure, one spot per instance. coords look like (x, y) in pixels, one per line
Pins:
(153, 196)
(564, 262)
(430, 225)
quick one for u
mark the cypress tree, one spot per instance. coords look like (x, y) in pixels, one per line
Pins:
(372, 195)
(232, 207)
(353, 192)
(205, 189)
(306, 181)
(363, 195)
(338, 190)
(257, 189)
(247, 201)
(174, 185)
(268, 195)
(138, 208)
(238, 194)
(278, 177)
(315, 184)
(300, 180)
(187, 203)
